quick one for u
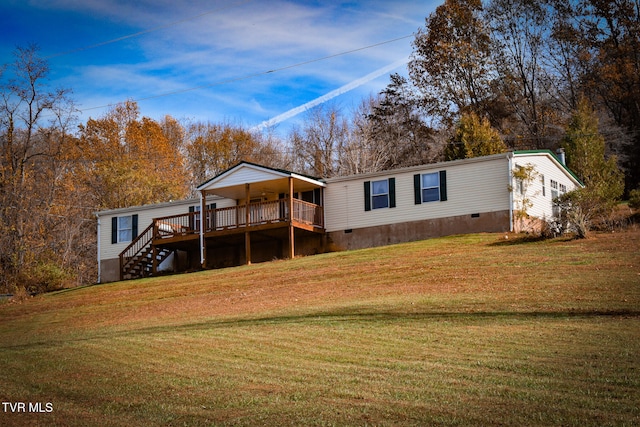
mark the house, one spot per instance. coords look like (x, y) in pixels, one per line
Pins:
(252, 213)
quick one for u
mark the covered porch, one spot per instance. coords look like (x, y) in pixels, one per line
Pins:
(275, 211)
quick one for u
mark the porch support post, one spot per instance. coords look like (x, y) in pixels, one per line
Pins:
(291, 230)
(203, 246)
(247, 235)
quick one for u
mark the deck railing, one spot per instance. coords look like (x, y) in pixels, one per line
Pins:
(308, 213)
(135, 249)
(236, 216)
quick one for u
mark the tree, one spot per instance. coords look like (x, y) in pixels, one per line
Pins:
(524, 176)
(397, 124)
(363, 153)
(212, 148)
(451, 60)
(129, 161)
(610, 31)
(585, 152)
(521, 31)
(34, 129)
(474, 137)
(318, 145)
(603, 180)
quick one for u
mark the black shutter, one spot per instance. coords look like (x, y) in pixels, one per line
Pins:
(114, 230)
(392, 192)
(367, 195)
(443, 186)
(192, 221)
(417, 189)
(134, 227)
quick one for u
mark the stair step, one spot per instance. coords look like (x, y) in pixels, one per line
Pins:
(141, 265)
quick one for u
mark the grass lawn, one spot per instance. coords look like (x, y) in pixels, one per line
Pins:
(465, 330)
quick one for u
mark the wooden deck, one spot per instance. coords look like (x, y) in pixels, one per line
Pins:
(182, 232)
(233, 220)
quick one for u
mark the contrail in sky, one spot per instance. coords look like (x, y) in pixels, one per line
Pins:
(326, 97)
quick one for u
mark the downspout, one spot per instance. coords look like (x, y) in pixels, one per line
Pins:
(202, 225)
(99, 266)
(510, 175)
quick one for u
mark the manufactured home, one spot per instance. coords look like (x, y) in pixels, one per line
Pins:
(253, 213)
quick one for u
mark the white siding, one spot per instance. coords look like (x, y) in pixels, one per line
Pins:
(146, 214)
(473, 186)
(547, 166)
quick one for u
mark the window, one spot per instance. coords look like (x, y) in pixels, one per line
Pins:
(124, 228)
(557, 190)
(380, 194)
(544, 189)
(430, 187)
(194, 220)
(554, 195)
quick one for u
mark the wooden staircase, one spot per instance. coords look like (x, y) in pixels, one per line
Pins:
(137, 260)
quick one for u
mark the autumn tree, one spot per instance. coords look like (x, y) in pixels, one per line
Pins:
(212, 148)
(130, 161)
(473, 137)
(610, 33)
(34, 129)
(450, 63)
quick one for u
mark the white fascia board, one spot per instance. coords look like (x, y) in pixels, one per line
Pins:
(309, 180)
(147, 207)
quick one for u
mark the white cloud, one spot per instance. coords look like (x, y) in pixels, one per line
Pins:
(236, 39)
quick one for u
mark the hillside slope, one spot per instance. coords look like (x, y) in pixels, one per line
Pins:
(464, 330)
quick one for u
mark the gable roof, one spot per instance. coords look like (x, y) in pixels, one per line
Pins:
(251, 173)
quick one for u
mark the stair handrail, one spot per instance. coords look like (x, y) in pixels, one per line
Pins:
(136, 246)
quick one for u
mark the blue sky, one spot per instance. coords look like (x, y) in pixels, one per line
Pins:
(240, 61)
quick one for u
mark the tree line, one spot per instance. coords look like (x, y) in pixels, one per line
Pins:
(484, 77)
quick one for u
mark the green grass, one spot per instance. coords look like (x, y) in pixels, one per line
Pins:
(464, 330)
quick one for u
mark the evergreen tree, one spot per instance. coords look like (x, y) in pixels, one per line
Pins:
(585, 150)
(474, 137)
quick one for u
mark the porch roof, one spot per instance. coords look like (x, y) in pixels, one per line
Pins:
(262, 180)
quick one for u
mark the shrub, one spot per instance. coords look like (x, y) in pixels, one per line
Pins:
(634, 199)
(577, 210)
(46, 276)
